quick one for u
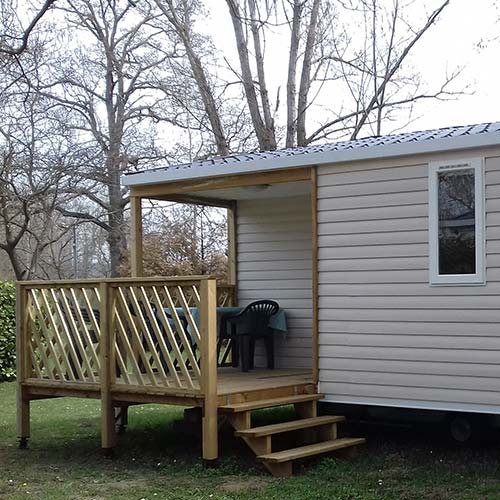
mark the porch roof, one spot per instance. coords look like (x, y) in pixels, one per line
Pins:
(403, 144)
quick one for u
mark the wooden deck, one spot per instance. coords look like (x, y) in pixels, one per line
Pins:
(124, 341)
(232, 386)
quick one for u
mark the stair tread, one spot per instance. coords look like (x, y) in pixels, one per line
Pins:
(310, 450)
(303, 423)
(269, 403)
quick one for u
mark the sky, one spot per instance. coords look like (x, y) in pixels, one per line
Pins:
(465, 36)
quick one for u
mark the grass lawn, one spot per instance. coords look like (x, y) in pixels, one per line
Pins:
(155, 460)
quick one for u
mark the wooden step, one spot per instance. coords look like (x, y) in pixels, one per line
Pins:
(270, 403)
(304, 423)
(310, 450)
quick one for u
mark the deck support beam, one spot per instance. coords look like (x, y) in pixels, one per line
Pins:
(208, 382)
(22, 371)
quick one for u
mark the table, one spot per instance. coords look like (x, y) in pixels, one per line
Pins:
(276, 322)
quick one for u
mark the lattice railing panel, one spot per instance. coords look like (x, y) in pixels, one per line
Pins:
(225, 298)
(157, 335)
(63, 332)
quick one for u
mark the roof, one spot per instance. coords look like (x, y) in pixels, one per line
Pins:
(403, 144)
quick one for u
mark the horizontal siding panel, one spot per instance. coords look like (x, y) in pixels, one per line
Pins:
(409, 261)
(274, 236)
(493, 204)
(492, 176)
(493, 247)
(407, 289)
(437, 355)
(374, 226)
(395, 367)
(388, 264)
(412, 341)
(412, 380)
(273, 255)
(417, 303)
(284, 265)
(380, 213)
(372, 201)
(284, 294)
(412, 315)
(373, 175)
(393, 186)
(289, 284)
(399, 276)
(382, 164)
(492, 191)
(370, 251)
(386, 392)
(421, 327)
(304, 244)
(388, 240)
(493, 219)
(264, 229)
(275, 275)
(272, 218)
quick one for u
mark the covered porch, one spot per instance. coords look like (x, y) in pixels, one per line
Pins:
(144, 340)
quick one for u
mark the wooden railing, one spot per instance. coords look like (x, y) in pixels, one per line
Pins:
(134, 333)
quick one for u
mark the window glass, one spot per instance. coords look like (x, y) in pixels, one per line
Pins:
(457, 224)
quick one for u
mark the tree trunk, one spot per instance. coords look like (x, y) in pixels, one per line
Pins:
(265, 137)
(183, 31)
(305, 79)
(291, 87)
(261, 75)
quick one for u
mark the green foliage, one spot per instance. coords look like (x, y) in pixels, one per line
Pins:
(7, 331)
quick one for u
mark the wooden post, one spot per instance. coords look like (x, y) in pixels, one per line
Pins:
(22, 370)
(315, 301)
(232, 250)
(208, 383)
(107, 372)
(136, 257)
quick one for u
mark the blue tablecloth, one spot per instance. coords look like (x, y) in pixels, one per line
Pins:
(276, 322)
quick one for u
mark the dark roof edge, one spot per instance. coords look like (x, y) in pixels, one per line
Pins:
(446, 144)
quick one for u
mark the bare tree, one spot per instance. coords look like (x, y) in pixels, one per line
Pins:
(31, 173)
(14, 38)
(105, 92)
(180, 16)
(375, 74)
(368, 79)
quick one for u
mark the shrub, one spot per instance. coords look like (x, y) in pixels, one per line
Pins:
(7, 331)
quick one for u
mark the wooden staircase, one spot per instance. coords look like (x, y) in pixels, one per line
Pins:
(317, 434)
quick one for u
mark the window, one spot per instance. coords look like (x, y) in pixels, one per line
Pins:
(456, 222)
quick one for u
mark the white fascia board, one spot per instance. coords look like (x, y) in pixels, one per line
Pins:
(159, 176)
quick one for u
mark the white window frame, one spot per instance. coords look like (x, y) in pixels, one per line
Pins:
(477, 164)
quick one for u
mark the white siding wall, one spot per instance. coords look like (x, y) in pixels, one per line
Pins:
(386, 336)
(275, 262)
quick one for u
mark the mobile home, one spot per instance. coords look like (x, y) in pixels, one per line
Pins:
(384, 253)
